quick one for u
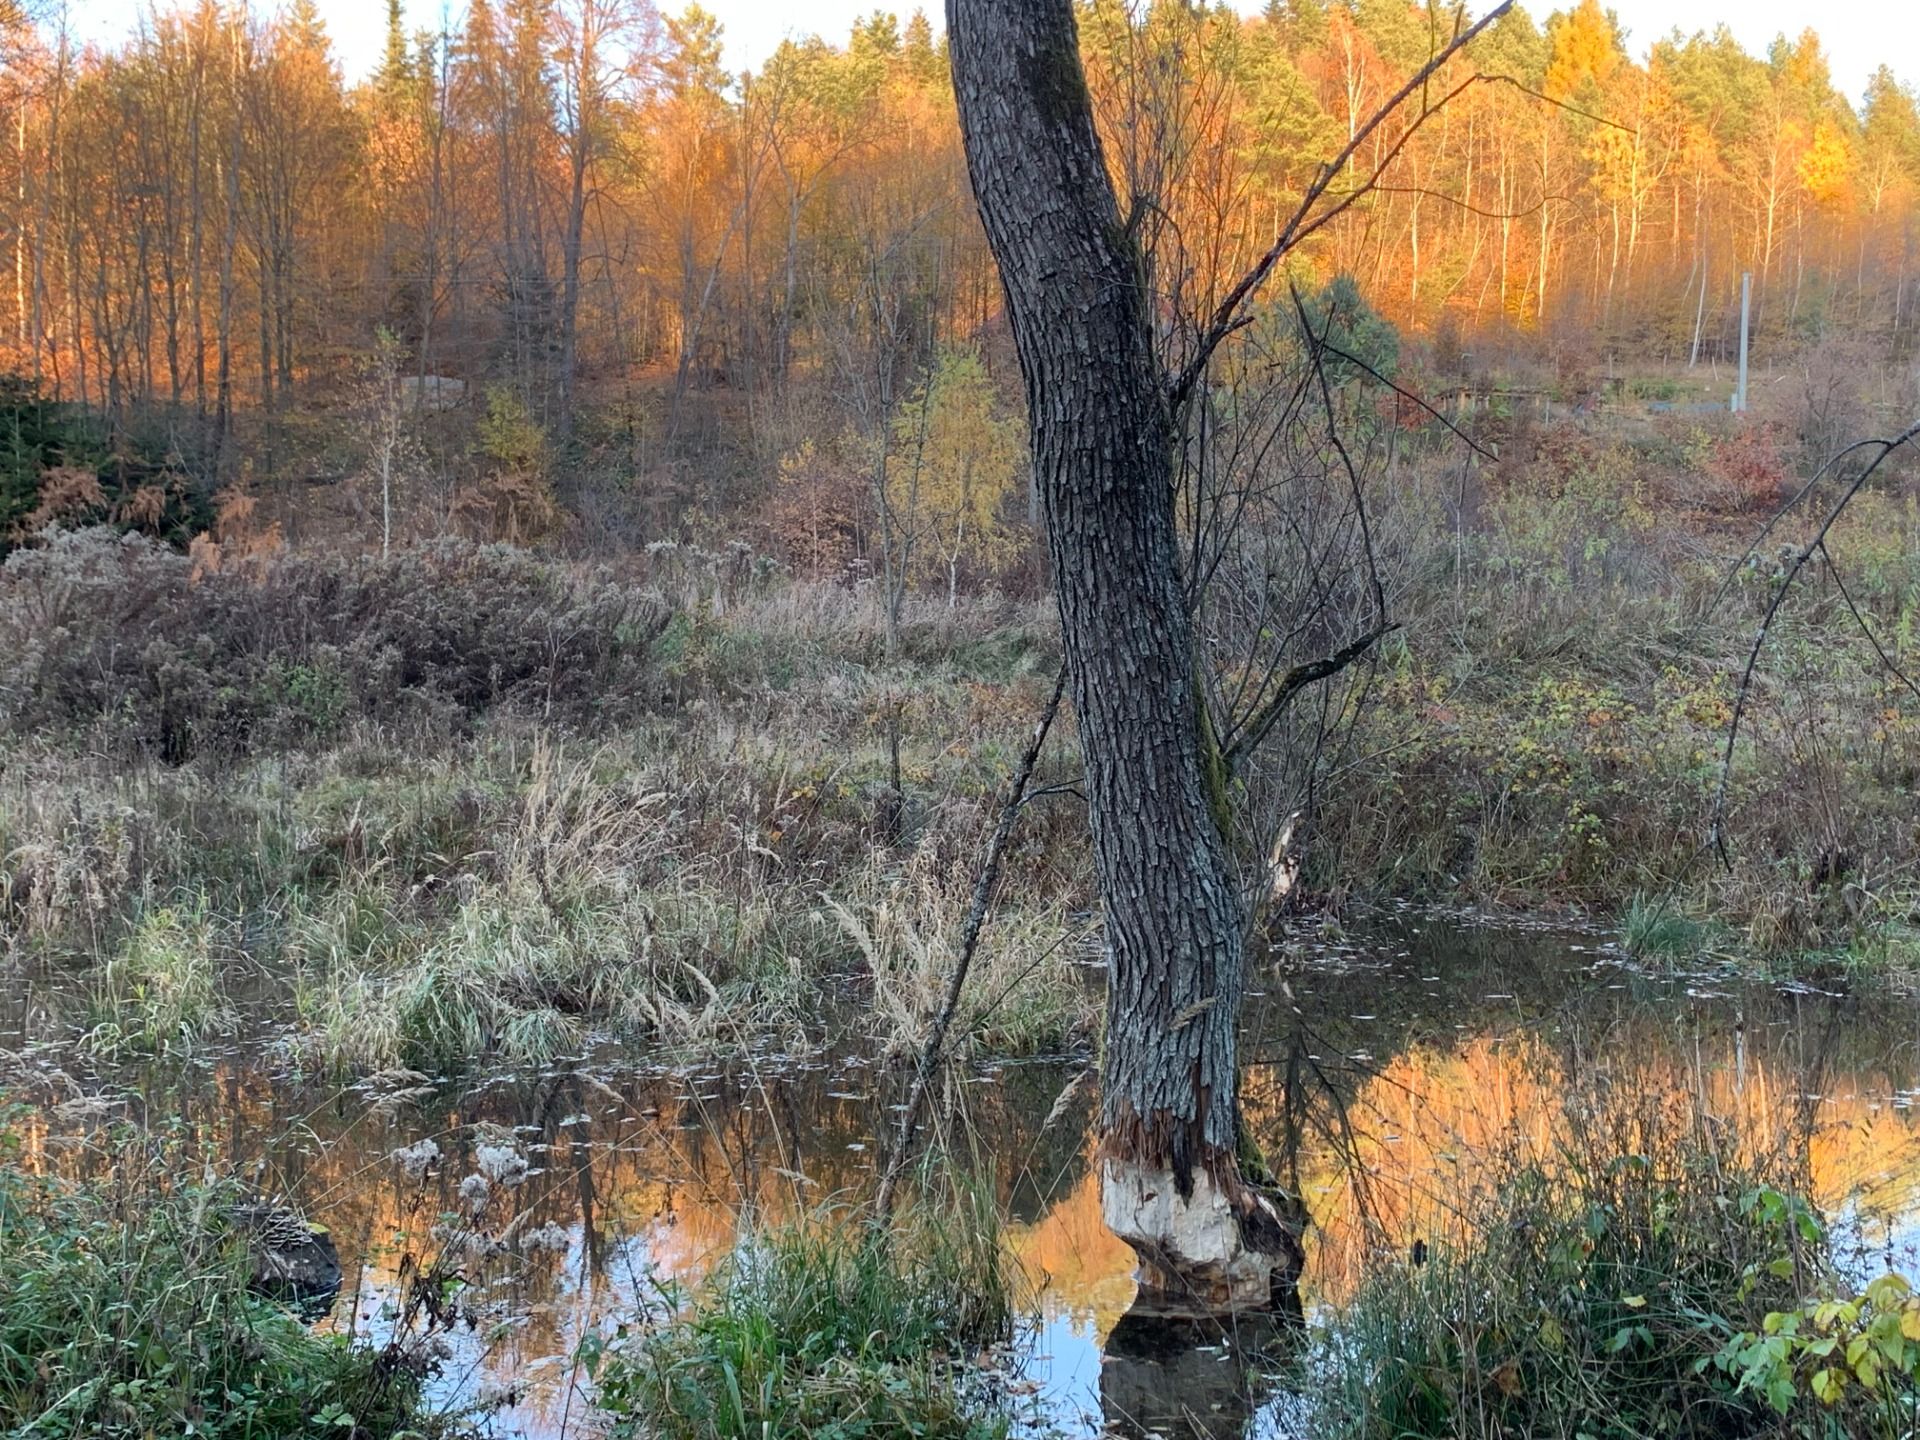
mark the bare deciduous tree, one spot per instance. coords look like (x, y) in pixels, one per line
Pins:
(1109, 427)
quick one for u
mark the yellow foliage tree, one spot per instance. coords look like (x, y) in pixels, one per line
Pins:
(1827, 166)
(954, 462)
(1586, 52)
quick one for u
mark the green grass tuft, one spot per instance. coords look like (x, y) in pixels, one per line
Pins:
(830, 1326)
(162, 992)
(1655, 928)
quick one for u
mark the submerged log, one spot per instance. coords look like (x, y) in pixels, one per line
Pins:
(293, 1261)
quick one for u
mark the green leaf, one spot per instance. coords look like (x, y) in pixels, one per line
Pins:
(1780, 1393)
(1889, 1290)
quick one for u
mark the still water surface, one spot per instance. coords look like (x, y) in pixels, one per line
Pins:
(1421, 1043)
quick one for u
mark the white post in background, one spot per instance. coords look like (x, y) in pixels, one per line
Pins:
(1746, 300)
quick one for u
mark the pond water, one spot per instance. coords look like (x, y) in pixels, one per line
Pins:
(1413, 1047)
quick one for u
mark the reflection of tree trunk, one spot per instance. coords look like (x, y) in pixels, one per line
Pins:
(1194, 1378)
(1103, 444)
(591, 1247)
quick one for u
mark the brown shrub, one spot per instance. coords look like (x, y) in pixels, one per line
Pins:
(110, 637)
(1747, 469)
(818, 512)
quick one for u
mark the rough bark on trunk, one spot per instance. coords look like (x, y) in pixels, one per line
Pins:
(1103, 445)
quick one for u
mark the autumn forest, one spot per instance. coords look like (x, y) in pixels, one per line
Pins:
(576, 202)
(1087, 718)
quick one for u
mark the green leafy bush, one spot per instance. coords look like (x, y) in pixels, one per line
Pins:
(1342, 318)
(1858, 1355)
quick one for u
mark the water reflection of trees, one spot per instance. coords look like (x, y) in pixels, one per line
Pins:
(1393, 1158)
(650, 1175)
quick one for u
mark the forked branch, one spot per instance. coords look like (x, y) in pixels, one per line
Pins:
(1292, 683)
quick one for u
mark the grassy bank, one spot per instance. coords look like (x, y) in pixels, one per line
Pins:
(421, 848)
(126, 1312)
(470, 803)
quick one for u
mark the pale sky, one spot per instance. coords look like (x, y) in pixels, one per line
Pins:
(1859, 34)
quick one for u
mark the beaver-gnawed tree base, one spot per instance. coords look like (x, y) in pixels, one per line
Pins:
(1216, 1248)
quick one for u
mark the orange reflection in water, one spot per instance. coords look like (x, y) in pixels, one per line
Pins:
(649, 1181)
(1422, 1124)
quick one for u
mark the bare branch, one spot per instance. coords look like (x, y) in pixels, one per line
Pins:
(1251, 732)
(983, 887)
(1406, 394)
(1318, 355)
(1428, 193)
(1865, 629)
(1817, 546)
(1292, 683)
(1559, 104)
(1226, 316)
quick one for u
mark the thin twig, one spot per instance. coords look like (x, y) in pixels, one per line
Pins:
(1716, 839)
(1887, 660)
(1406, 394)
(983, 888)
(1295, 680)
(1226, 316)
(1318, 355)
(1778, 515)
(1257, 726)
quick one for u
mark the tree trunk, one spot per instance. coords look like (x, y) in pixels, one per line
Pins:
(1103, 442)
(570, 284)
(583, 105)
